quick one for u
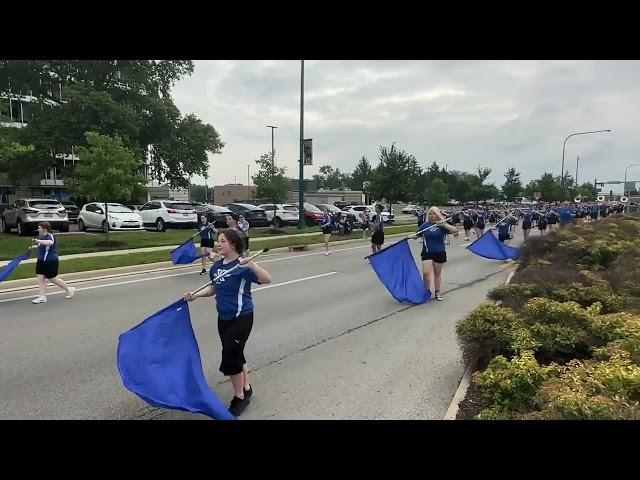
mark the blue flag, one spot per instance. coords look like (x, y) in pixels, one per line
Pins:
(185, 253)
(9, 268)
(397, 270)
(159, 361)
(566, 214)
(488, 246)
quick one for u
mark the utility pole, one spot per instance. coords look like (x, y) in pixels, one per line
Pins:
(301, 223)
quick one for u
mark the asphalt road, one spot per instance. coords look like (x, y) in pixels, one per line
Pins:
(328, 341)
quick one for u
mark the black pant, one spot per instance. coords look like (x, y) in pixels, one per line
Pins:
(234, 335)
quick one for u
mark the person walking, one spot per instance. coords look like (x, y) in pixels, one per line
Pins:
(48, 263)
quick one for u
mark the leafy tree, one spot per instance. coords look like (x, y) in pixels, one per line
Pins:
(271, 181)
(513, 185)
(396, 177)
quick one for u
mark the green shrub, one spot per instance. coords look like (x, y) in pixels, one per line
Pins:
(562, 342)
(593, 390)
(492, 330)
(510, 386)
(543, 310)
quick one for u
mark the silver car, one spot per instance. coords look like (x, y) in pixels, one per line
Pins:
(25, 214)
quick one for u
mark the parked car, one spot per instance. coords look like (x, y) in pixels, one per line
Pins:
(340, 204)
(356, 209)
(133, 206)
(256, 216)
(312, 215)
(285, 213)
(411, 209)
(25, 214)
(121, 217)
(215, 213)
(351, 218)
(163, 214)
(72, 210)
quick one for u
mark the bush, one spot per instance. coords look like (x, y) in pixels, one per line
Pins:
(510, 386)
(593, 390)
(492, 330)
(543, 310)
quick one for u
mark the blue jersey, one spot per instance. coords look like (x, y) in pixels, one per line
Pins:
(45, 253)
(327, 221)
(503, 228)
(526, 217)
(206, 231)
(433, 240)
(233, 292)
(479, 219)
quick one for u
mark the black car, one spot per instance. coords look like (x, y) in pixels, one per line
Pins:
(256, 217)
(72, 210)
(215, 214)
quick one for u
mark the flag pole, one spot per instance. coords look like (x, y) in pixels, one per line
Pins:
(228, 272)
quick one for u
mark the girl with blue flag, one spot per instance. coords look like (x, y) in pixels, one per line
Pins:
(467, 222)
(327, 228)
(377, 235)
(207, 242)
(235, 311)
(479, 223)
(434, 255)
(504, 227)
(527, 217)
(47, 264)
(542, 222)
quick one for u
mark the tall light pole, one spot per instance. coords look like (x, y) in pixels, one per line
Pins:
(301, 223)
(273, 154)
(577, 163)
(565, 144)
(625, 181)
(248, 184)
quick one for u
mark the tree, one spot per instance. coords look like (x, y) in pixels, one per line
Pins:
(362, 173)
(396, 177)
(550, 187)
(513, 185)
(201, 193)
(12, 154)
(106, 172)
(128, 98)
(271, 181)
(587, 191)
(436, 193)
(330, 178)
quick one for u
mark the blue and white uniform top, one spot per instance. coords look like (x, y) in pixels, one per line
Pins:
(378, 222)
(48, 253)
(433, 240)
(233, 292)
(480, 219)
(327, 220)
(527, 217)
(244, 226)
(503, 228)
(206, 231)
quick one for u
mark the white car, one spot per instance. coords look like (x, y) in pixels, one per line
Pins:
(411, 209)
(163, 214)
(92, 215)
(285, 214)
(356, 209)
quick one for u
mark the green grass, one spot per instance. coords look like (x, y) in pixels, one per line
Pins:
(141, 258)
(11, 245)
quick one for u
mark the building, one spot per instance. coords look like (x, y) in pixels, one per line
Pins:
(233, 193)
(332, 196)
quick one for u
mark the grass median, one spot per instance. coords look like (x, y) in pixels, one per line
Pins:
(142, 258)
(11, 245)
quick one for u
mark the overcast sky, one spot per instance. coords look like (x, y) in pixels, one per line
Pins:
(457, 113)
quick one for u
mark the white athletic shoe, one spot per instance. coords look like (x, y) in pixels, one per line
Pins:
(71, 293)
(327, 253)
(40, 299)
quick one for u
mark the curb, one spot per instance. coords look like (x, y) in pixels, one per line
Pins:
(117, 272)
(465, 382)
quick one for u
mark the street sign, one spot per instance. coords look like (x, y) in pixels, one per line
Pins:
(308, 151)
(537, 195)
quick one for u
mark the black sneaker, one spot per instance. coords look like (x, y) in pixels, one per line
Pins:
(248, 393)
(204, 270)
(238, 405)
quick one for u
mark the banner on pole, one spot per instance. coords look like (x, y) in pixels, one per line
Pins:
(308, 151)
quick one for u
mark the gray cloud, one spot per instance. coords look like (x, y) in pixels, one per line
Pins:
(461, 113)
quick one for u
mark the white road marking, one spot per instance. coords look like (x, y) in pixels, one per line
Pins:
(115, 284)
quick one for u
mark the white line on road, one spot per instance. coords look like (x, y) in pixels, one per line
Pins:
(173, 275)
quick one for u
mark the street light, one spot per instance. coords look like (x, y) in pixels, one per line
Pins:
(565, 144)
(248, 184)
(625, 181)
(273, 159)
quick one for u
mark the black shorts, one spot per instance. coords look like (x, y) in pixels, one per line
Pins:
(245, 242)
(526, 225)
(480, 226)
(378, 237)
(467, 225)
(552, 222)
(234, 335)
(327, 230)
(48, 269)
(542, 226)
(206, 242)
(504, 236)
(437, 257)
